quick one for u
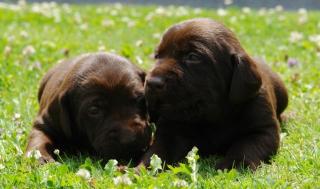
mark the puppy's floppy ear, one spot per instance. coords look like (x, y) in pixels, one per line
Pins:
(246, 79)
(57, 114)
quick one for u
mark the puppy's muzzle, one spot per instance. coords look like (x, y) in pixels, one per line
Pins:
(155, 84)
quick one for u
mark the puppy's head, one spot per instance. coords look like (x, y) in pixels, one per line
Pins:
(200, 65)
(100, 104)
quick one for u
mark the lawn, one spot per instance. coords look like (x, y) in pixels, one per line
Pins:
(35, 37)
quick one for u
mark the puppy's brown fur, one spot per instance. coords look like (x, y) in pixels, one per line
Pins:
(206, 91)
(93, 104)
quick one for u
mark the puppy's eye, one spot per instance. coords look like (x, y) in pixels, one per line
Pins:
(94, 111)
(156, 56)
(192, 57)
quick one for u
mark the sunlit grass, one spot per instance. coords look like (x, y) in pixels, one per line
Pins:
(35, 37)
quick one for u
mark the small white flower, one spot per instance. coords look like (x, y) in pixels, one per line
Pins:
(22, 2)
(118, 6)
(155, 164)
(114, 12)
(77, 17)
(24, 34)
(295, 36)
(262, 12)
(28, 50)
(156, 35)
(282, 136)
(83, 173)
(139, 60)
(122, 180)
(303, 19)
(160, 11)
(2, 166)
(84, 26)
(56, 151)
(228, 2)
(302, 11)
(16, 116)
(36, 154)
(192, 158)
(315, 39)
(279, 8)
(233, 19)
(7, 50)
(246, 10)
(222, 12)
(131, 24)
(139, 43)
(107, 23)
(101, 48)
(180, 183)
(197, 11)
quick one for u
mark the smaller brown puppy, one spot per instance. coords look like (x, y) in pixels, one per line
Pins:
(206, 91)
(94, 104)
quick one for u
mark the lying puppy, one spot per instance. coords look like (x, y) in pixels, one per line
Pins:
(94, 104)
(206, 91)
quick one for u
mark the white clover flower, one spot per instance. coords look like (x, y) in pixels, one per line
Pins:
(83, 173)
(24, 34)
(295, 37)
(107, 23)
(7, 50)
(101, 48)
(279, 8)
(160, 10)
(118, 6)
(139, 43)
(122, 180)
(246, 10)
(155, 164)
(139, 60)
(28, 50)
(114, 12)
(36, 154)
(222, 12)
(262, 12)
(282, 136)
(315, 39)
(131, 23)
(182, 11)
(22, 3)
(84, 26)
(180, 183)
(16, 116)
(77, 17)
(303, 19)
(302, 11)
(56, 151)
(192, 158)
(111, 166)
(2, 166)
(228, 2)
(156, 35)
(197, 10)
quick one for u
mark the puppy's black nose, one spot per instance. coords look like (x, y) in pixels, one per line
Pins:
(155, 83)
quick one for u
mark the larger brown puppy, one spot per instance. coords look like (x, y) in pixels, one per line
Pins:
(95, 104)
(206, 91)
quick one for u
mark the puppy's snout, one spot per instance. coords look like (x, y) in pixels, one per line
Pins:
(155, 83)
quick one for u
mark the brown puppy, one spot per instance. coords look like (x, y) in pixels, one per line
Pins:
(206, 91)
(94, 104)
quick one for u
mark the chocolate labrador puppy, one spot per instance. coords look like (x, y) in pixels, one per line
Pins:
(206, 91)
(94, 104)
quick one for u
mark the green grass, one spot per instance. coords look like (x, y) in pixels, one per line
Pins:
(134, 33)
